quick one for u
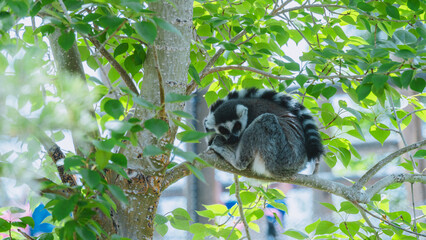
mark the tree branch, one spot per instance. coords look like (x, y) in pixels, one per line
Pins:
(123, 74)
(370, 173)
(251, 69)
(240, 206)
(312, 6)
(211, 62)
(391, 179)
(386, 221)
(351, 193)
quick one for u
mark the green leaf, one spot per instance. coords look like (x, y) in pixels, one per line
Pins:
(292, 66)
(174, 97)
(206, 213)
(420, 154)
(102, 158)
(73, 161)
(325, 227)
(329, 206)
(379, 80)
(406, 78)
(28, 221)
(348, 207)
(4, 225)
(248, 197)
(212, 40)
(413, 4)
(194, 74)
(118, 193)
(328, 92)
(119, 159)
(418, 84)
(118, 126)
(147, 30)
(181, 213)
(167, 26)
(162, 229)
(311, 227)
(192, 136)
(19, 7)
(92, 178)
(197, 172)
(188, 156)
(379, 134)
(120, 49)
(392, 11)
(405, 36)
(349, 228)
(160, 219)
(228, 46)
(105, 145)
(157, 126)
(365, 6)
(183, 114)
(85, 233)
(63, 208)
(46, 236)
(66, 40)
(363, 90)
(35, 9)
(144, 103)
(295, 234)
(405, 53)
(217, 209)
(152, 150)
(114, 108)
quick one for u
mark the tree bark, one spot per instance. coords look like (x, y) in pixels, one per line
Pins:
(165, 70)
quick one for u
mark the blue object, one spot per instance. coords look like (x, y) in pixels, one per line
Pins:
(39, 214)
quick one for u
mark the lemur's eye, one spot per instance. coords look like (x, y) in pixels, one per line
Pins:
(237, 127)
(224, 131)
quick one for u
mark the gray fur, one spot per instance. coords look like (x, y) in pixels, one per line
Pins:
(271, 141)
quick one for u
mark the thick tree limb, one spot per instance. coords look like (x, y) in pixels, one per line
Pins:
(123, 74)
(351, 193)
(370, 173)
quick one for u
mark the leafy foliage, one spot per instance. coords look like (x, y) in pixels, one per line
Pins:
(368, 50)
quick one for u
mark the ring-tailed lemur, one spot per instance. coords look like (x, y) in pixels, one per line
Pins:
(270, 132)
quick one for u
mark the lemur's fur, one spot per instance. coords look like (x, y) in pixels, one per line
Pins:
(268, 131)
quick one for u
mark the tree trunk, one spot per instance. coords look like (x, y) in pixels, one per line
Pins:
(168, 57)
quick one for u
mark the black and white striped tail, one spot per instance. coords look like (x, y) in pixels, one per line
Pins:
(313, 145)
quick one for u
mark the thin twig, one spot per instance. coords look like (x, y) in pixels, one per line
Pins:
(162, 112)
(410, 113)
(414, 209)
(367, 220)
(101, 67)
(110, 36)
(64, 8)
(388, 222)
(126, 78)
(384, 129)
(370, 173)
(240, 206)
(398, 123)
(297, 29)
(25, 235)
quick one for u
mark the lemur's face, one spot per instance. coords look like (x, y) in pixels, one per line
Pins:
(230, 129)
